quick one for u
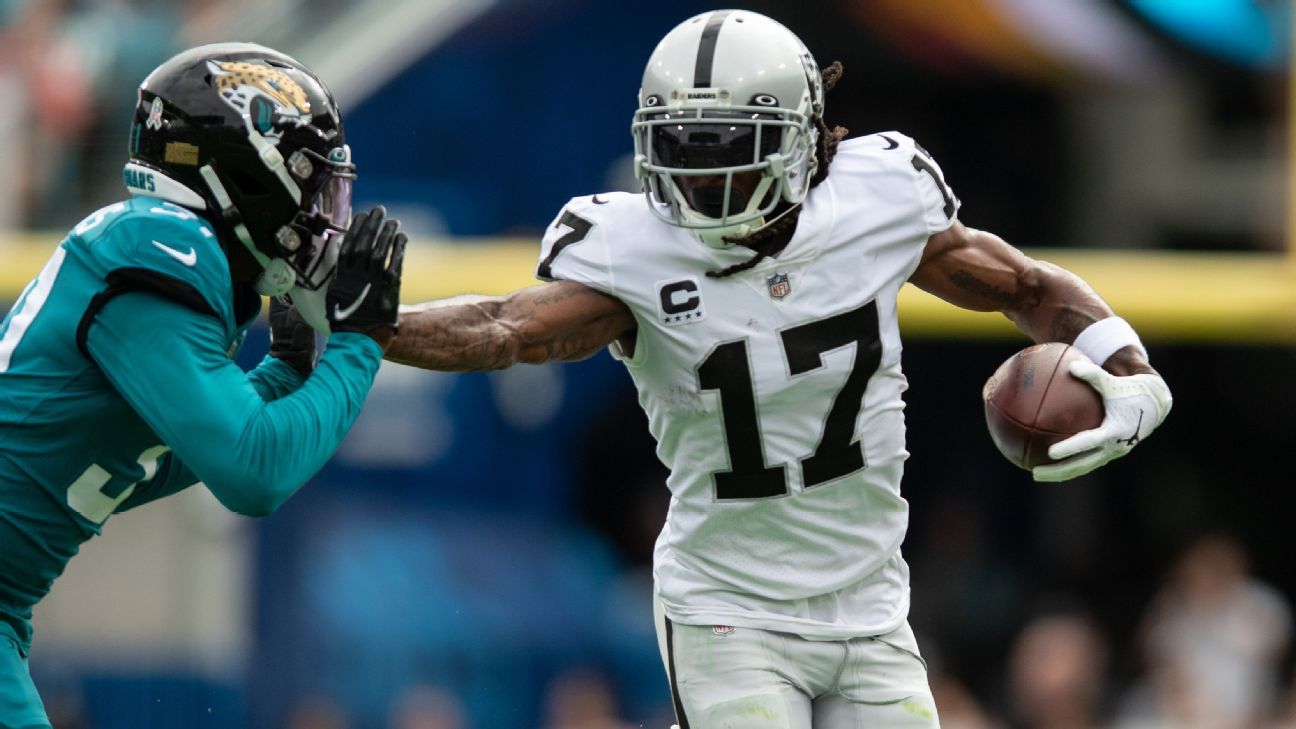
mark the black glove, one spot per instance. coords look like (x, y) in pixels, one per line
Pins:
(291, 338)
(365, 292)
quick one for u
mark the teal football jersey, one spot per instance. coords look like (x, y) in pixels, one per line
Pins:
(116, 388)
(63, 427)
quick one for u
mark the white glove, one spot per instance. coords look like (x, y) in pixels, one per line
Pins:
(1135, 406)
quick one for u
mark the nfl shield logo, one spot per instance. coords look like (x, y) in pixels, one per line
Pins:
(779, 286)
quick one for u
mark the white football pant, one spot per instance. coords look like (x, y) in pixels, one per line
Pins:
(746, 678)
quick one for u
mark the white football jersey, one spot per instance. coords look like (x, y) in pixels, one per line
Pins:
(774, 394)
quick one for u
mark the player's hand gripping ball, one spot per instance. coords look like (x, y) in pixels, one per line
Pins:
(1033, 401)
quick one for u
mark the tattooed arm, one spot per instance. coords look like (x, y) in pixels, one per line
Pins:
(562, 320)
(977, 270)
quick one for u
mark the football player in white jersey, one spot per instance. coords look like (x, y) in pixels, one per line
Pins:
(751, 293)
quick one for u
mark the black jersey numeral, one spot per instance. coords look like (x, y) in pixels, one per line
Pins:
(728, 370)
(923, 164)
(580, 227)
(837, 454)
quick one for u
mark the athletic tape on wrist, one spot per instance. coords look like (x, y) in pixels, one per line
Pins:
(1105, 337)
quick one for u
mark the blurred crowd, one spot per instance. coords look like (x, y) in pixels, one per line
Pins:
(579, 699)
(68, 73)
(1211, 652)
(63, 65)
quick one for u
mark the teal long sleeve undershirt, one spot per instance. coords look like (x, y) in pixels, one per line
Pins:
(272, 379)
(222, 426)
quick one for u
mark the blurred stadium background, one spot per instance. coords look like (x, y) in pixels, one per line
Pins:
(477, 555)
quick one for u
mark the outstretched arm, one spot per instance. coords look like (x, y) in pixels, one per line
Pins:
(562, 320)
(979, 271)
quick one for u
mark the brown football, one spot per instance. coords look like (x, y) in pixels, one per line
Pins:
(1033, 401)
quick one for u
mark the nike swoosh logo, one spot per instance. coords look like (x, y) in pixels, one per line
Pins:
(341, 314)
(891, 143)
(597, 201)
(1133, 440)
(188, 259)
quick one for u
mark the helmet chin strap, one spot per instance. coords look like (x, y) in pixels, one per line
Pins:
(276, 277)
(715, 237)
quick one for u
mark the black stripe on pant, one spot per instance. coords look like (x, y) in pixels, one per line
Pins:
(680, 718)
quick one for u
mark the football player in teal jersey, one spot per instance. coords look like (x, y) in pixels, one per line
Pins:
(116, 381)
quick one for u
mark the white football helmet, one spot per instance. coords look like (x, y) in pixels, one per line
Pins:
(724, 93)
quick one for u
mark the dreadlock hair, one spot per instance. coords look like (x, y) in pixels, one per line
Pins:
(774, 237)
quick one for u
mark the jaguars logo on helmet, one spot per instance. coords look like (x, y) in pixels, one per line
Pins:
(266, 97)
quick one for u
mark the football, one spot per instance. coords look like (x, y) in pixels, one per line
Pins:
(1033, 401)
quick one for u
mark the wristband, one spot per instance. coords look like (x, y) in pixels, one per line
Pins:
(1105, 337)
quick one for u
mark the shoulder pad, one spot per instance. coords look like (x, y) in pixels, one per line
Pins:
(574, 246)
(899, 155)
(884, 146)
(154, 238)
(605, 206)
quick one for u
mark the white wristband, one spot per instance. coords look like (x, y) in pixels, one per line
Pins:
(1105, 337)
